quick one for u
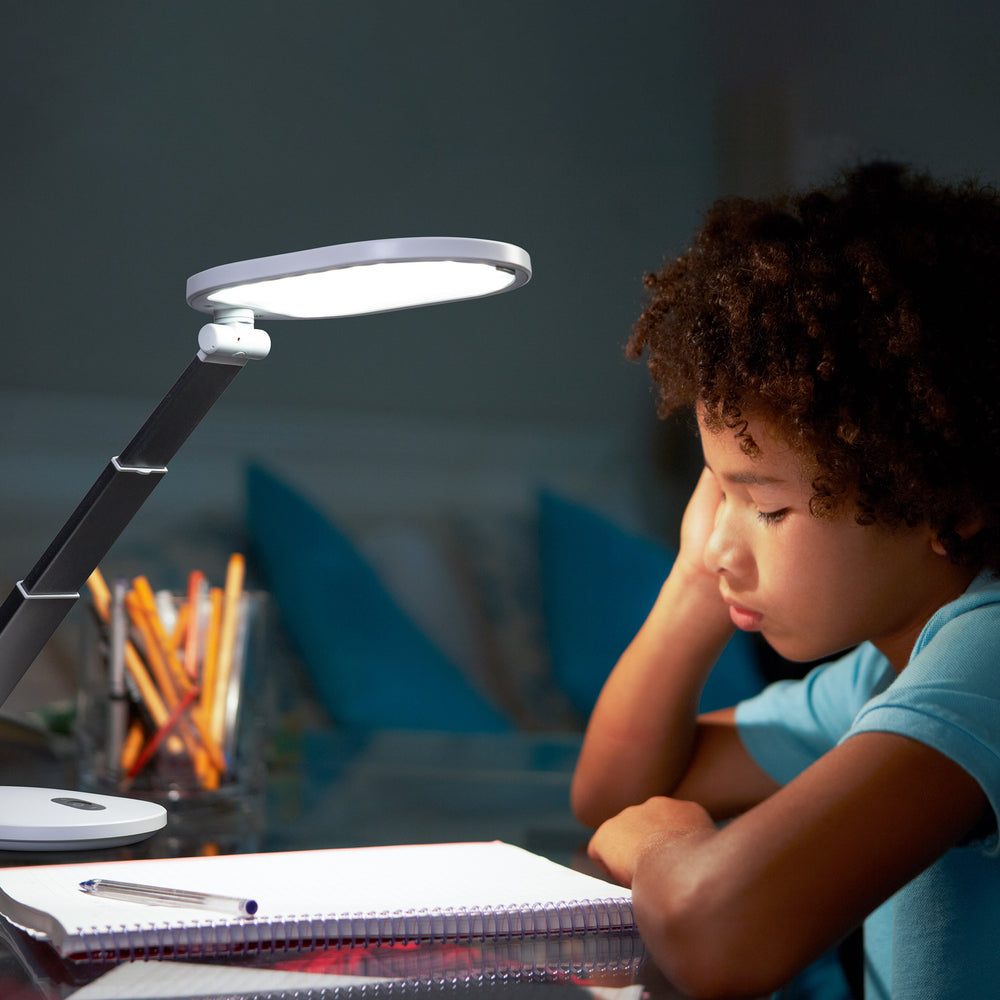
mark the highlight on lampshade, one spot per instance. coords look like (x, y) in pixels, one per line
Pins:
(353, 279)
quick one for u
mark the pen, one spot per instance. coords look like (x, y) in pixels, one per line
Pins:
(118, 706)
(157, 896)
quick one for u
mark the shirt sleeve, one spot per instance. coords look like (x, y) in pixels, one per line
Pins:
(948, 697)
(790, 724)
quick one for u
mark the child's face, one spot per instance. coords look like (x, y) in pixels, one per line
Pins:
(814, 586)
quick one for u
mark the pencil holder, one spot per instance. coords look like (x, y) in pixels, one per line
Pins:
(172, 707)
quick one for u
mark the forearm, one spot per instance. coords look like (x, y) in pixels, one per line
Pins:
(713, 905)
(689, 902)
(641, 733)
(691, 914)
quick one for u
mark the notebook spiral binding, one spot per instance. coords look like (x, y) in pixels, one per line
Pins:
(287, 935)
(481, 986)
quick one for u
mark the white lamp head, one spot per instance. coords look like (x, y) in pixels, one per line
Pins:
(354, 279)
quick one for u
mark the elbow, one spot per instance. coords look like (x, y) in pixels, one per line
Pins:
(598, 790)
(590, 804)
(702, 944)
(683, 948)
(582, 805)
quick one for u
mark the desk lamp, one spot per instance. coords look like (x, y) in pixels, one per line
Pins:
(347, 280)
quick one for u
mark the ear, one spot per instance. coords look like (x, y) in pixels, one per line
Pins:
(963, 530)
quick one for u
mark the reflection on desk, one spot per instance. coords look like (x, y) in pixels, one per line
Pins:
(329, 788)
(517, 968)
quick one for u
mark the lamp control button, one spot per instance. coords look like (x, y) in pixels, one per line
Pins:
(65, 800)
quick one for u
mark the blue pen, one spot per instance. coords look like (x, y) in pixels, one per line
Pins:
(157, 896)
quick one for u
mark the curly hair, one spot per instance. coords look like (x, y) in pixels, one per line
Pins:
(861, 319)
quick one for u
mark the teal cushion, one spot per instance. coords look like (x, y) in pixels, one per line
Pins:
(599, 583)
(370, 665)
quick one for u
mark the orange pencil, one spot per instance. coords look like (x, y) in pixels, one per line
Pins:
(211, 657)
(208, 672)
(232, 592)
(132, 745)
(101, 594)
(147, 688)
(178, 634)
(192, 640)
(154, 654)
(168, 654)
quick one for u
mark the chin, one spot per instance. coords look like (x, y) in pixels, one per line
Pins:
(799, 652)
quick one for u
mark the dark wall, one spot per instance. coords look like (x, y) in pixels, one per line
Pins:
(146, 141)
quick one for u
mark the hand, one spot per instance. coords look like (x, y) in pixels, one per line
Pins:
(621, 840)
(699, 522)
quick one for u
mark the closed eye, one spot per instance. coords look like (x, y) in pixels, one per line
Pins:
(772, 516)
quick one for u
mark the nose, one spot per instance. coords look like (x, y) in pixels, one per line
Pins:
(725, 551)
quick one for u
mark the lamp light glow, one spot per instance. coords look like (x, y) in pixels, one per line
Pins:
(362, 289)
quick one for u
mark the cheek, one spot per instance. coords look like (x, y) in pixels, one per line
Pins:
(834, 575)
(806, 567)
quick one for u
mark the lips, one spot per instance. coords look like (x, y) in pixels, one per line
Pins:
(744, 618)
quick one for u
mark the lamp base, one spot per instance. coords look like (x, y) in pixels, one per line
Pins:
(57, 819)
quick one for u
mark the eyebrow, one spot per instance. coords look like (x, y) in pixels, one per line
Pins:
(748, 478)
(751, 479)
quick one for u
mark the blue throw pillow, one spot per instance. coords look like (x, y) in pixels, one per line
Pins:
(371, 666)
(599, 583)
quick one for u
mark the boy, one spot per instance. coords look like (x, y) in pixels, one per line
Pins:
(841, 353)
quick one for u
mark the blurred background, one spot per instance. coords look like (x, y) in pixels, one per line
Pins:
(143, 142)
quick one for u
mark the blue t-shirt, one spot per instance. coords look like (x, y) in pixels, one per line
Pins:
(939, 936)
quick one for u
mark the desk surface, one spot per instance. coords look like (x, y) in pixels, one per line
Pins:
(333, 790)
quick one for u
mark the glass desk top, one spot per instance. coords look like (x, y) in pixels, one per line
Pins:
(330, 789)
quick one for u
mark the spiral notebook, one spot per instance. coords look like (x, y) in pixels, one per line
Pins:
(315, 899)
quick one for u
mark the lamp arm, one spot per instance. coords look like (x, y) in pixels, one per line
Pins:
(37, 604)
